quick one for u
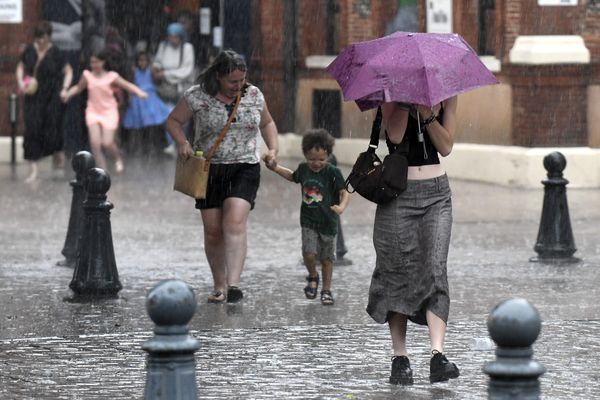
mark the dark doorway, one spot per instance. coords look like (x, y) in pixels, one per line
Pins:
(237, 27)
(487, 27)
(327, 110)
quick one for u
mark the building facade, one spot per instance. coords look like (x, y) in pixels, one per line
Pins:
(539, 102)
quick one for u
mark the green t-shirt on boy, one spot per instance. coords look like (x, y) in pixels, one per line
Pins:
(320, 190)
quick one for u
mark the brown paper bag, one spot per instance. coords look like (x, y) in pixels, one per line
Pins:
(191, 176)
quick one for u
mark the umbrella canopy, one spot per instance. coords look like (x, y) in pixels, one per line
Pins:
(418, 68)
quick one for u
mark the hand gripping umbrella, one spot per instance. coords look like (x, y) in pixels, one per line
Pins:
(418, 68)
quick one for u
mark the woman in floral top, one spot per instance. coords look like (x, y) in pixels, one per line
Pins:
(235, 170)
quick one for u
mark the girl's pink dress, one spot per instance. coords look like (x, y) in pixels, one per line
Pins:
(102, 107)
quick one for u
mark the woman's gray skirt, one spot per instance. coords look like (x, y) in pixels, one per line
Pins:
(411, 238)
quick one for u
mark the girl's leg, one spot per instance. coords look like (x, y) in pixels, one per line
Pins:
(95, 138)
(33, 172)
(235, 216)
(108, 143)
(397, 324)
(440, 369)
(214, 247)
(437, 331)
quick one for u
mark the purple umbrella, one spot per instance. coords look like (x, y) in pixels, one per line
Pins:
(418, 68)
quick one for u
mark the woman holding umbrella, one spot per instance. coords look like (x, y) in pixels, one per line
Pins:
(415, 78)
(412, 236)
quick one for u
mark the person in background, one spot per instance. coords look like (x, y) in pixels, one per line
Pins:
(324, 198)
(173, 69)
(411, 236)
(102, 111)
(234, 174)
(145, 119)
(43, 110)
(340, 244)
(189, 22)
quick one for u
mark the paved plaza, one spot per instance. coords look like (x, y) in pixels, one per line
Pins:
(276, 344)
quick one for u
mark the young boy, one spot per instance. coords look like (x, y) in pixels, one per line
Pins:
(323, 200)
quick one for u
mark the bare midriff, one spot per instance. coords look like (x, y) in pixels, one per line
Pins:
(425, 172)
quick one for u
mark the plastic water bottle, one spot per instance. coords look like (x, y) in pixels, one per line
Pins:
(199, 153)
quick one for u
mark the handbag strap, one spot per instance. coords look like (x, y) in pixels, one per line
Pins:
(403, 147)
(214, 147)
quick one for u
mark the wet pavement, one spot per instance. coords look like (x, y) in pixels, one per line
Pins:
(276, 344)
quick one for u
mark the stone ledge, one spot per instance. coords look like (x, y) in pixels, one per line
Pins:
(503, 165)
(549, 49)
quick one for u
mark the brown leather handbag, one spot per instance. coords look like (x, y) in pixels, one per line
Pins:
(191, 175)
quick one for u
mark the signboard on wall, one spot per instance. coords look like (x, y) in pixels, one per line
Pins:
(439, 16)
(557, 2)
(11, 11)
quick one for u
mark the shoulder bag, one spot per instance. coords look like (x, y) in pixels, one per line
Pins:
(191, 175)
(377, 181)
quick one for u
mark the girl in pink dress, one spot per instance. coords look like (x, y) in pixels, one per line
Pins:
(102, 111)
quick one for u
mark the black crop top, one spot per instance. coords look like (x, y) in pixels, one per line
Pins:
(416, 155)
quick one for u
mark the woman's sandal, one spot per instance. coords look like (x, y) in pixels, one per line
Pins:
(310, 291)
(326, 298)
(217, 296)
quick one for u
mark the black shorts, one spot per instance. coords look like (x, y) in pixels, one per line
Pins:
(230, 180)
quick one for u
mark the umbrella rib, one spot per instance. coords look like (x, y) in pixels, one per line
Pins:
(427, 79)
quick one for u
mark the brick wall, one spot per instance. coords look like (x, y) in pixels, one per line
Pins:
(312, 29)
(549, 105)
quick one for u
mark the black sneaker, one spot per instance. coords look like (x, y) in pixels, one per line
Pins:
(401, 372)
(440, 369)
(234, 294)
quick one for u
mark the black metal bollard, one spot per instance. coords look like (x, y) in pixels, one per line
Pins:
(555, 242)
(514, 325)
(81, 163)
(13, 113)
(95, 274)
(171, 367)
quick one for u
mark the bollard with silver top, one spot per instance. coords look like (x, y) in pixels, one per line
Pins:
(81, 163)
(171, 367)
(555, 242)
(514, 326)
(95, 275)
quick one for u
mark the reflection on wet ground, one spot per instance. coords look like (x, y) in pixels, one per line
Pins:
(276, 343)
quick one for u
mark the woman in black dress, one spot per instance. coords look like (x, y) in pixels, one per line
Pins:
(43, 109)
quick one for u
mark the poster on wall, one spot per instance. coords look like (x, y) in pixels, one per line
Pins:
(557, 2)
(11, 11)
(439, 16)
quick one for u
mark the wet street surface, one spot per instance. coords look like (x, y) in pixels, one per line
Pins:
(276, 344)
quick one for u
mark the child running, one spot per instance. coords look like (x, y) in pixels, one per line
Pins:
(102, 111)
(146, 118)
(323, 200)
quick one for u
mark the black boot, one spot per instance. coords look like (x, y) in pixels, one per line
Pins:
(401, 372)
(440, 369)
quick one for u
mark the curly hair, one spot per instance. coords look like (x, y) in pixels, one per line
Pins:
(317, 139)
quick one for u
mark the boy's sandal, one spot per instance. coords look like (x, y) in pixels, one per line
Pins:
(234, 294)
(326, 298)
(310, 291)
(217, 296)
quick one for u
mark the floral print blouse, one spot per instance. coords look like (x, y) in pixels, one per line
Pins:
(240, 144)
